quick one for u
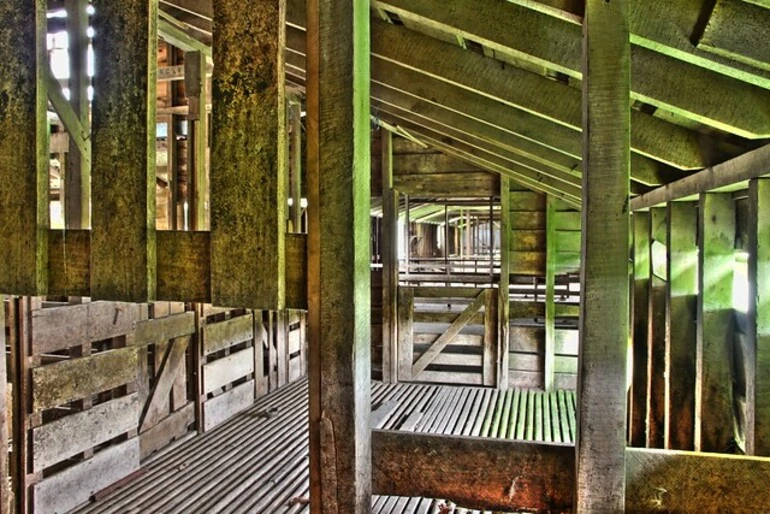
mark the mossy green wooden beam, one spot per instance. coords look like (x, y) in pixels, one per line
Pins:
(389, 262)
(249, 161)
(196, 91)
(339, 324)
(758, 372)
(601, 407)
(538, 95)
(681, 322)
(714, 386)
(690, 91)
(123, 253)
(23, 148)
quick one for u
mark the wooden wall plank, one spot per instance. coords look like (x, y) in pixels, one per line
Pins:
(601, 410)
(70, 435)
(23, 148)
(640, 301)
(758, 368)
(249, 161)
(224, 406)
(224, 334)
(681, 325)
(714, 386)
(123, 256)
(656, 331)
(296, 271)
(227, 369)
(155, 331)
(66, 490)
(64, 381)
(339, 325)
(69, 263)
(183, 266)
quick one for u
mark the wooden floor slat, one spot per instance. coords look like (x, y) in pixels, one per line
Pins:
(257, 461)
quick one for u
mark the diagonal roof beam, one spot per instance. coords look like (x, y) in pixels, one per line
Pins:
(538, 95)
(524, 176)
(426, 94)
(680, 87)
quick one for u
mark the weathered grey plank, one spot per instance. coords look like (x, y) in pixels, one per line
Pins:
(223, 407)
(600, 442)
(69, 488)
(123, 253)
(23, 148)
(64, 381)
(227, 369)
(249, 160)
(223, 334)
(163, 329)
(68, 436)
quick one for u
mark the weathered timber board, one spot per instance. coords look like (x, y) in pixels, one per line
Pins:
(224, 334)
(227, 369)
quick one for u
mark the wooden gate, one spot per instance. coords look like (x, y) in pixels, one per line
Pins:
(448, 335)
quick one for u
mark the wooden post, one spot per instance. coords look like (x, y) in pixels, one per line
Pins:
(5, 490)
(550, 285)
(758, 369)
(123, 258)
(389, 263)
(295, 163)
(338, 255)
(714, 390)
(196, 89)
(248, 159)
(600, 441)
(23, 148)
(656, 331)
(638, 403)
(77, 172)
(504, 308)
(681, 324)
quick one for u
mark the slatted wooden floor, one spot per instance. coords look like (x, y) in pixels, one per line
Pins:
(257, 461)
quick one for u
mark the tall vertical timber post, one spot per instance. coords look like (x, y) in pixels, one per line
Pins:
(196, 90)
(389, 263)
(295, 163)
(77, 171)
(504, 307)
(656, 329)
(338, 255)
(714, 350)
(23, 148)
(550, 286)
(604, 316)
(249, 159)
(758, 370)
(681, 322)
(123, 253)
(641, 290)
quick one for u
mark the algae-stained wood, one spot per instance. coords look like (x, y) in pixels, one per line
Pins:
(758, 367)
(604, 324)
(123, 145)
(681, 322)
(714, 350)
(339, 325)
(249, 163)
(389, 262)
(23, 147)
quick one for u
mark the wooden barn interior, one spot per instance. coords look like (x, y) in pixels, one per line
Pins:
(388, 256)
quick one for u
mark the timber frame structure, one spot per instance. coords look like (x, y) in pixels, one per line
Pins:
(203, 201)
